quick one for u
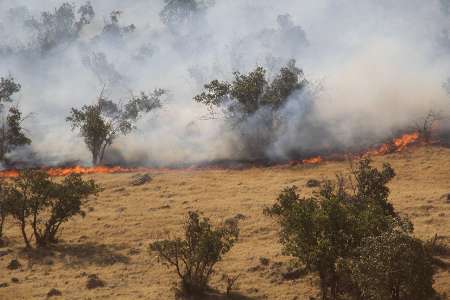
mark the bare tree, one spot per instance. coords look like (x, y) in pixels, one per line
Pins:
(424, 126)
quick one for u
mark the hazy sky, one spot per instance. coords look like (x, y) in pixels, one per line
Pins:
(374, 67)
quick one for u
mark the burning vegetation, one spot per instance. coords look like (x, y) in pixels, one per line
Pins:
(261, 109)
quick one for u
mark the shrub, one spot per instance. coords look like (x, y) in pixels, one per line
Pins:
(394, 266)
(326, 230)
(35, 199)
(195, 256)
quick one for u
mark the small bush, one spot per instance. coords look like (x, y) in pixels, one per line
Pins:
(394, 266)
(195, 256)
(33, 198)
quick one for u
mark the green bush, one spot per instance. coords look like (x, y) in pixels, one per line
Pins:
(34, 198)
(195, 256)
(393, 266)
(327, 231)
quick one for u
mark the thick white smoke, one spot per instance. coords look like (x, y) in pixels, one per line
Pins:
(374, 68)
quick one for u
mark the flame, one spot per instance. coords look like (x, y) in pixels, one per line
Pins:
(396, 145)
(312, 160)
(405, 140)
(64, 171)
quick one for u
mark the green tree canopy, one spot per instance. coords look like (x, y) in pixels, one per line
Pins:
(12, 134)
(101, 123)
(326, 231)
(249, 92)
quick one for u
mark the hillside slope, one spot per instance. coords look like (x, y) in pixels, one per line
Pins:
(112, 240)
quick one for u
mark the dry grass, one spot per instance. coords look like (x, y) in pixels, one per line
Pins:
(112, 241)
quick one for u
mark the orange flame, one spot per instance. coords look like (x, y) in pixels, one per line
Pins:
(396, 145)
(73, 170)
(313, 160)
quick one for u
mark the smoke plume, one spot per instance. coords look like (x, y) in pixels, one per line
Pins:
(374, 68)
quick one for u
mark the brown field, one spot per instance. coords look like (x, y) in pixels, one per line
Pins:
(112, 240)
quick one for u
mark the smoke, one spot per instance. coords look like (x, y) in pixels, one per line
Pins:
(374, 68)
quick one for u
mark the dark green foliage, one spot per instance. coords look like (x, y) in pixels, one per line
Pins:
(12, 134)
(251, 105)
(101, 123)
(61, 25)
(195, 256)
(33, 198)
(283, 85)
(250, 92)
(15, 136)
(113, 29)
(178, 13)
(8, 87)
(393, 266)
(328, 231)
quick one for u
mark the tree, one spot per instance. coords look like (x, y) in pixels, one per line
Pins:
(61, 25)
(33, 198)
(251, 105)
(324, 231)
(177, 13)
(113, 29)
(99, 124)
(194, 257)
(8, 87)
(12, 134)
(424, 126)
(250, 92)
(394, 266)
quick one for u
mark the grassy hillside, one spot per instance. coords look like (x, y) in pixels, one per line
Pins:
(112, 240)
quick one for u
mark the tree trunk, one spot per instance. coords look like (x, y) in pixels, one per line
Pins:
(94, 158)
(3, 142)
(323, 286)
(24, 234)
(102, 152)
(2, 222)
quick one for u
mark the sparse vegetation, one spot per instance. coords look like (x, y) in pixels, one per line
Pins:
(194, 257)
(425, 125)
(330, 231)
(33, 198)
(99, 124)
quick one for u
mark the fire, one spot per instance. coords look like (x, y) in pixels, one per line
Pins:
(405, 140)
(313, 160)
(396, 145)
(64, 171)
